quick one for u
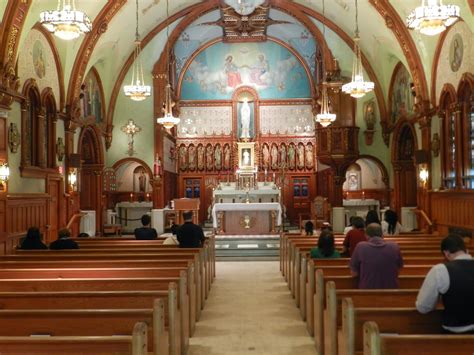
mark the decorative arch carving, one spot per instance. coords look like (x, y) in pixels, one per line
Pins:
(89, 139)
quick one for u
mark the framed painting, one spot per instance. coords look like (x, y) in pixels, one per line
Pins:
(246, 155)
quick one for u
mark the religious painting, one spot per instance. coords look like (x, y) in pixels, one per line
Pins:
(209, 157)
(246, 153)
(227, 157)
(456, 52)
(353, 180)
(200, 157)
(283, 155)
(245, 120)
(369, 114)
(291, 156)
(218, 157)
(309, 156)
(268, 67)
(266, 156)
(183, 165)
(141, 180)
(401, 98)
(38, 59)
(192, 157)
(92, 101)
(274, 156)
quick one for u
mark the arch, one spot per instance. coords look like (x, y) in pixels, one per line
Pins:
(380, 165)
(95, 75)
(90, 135)
(403, 129)
(123, 161)
(399, 67)
(48, 101)
(466, 84)
(448, 93)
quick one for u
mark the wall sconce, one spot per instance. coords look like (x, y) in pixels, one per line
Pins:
(4, 176)
(130, 129)
(72, 177)
(423, 174)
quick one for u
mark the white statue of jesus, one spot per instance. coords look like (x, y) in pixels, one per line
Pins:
(245, 120)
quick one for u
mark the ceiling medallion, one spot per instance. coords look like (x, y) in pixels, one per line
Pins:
(433, 18)
(66, 22)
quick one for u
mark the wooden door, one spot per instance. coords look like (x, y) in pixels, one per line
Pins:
(54, 212)
(300, 194)
(192, 188)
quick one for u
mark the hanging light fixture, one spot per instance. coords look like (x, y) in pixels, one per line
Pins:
(168, 120)
(325, 117)
(432, 17)
(357, 87)
(66, 22)
(137, 90)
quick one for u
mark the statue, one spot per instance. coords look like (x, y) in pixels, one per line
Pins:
(182, 158)
(209, 157)
(274, 154)
(142, 181)
(283, 154)
(245, 120)
(227, 157)
(192, 157)
(200, 157)
(266, 156)
(309, 156)
(300, 156)
(291, 156)
(217, 157)
(369, 115)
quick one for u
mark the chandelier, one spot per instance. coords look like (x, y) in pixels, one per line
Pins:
(168, 120)
(137, 90)
(357, 87)
(66, 23)
(325, 117)
(433, 18)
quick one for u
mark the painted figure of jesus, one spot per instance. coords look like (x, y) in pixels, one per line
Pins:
(245, 120)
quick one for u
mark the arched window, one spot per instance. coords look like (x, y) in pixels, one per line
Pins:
(31, 125)
(448, 114)
(466, 105)
(49, 128)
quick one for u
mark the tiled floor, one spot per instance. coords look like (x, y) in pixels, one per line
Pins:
(250, 311)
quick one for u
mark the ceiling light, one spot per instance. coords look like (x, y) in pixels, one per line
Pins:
(66, 23)
(433, 18)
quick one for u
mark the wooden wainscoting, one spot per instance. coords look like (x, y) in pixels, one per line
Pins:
(22, 211)
(452, 209)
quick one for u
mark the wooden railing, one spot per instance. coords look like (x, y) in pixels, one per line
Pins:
(425, 218)
(73, 219)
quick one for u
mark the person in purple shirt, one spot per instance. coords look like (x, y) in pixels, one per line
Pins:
(376, 262)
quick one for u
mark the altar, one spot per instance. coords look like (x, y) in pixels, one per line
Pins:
(129, 214)
(259, 193)
(246, 218)
(360, 207)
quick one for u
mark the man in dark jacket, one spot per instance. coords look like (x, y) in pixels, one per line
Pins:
(145, 232)
(189, 234)
(64, 241)
(454, 281)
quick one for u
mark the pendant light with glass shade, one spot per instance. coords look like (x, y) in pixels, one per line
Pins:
(357, 87)
(168, 120)
(66, 22)
(432, 17)
(325, 117)
(137, 90)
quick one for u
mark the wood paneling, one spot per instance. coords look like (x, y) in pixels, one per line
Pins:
(452, 209)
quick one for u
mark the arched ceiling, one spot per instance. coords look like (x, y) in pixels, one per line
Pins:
(378, 42)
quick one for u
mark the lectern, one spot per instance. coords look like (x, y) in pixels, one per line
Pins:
(186, 204)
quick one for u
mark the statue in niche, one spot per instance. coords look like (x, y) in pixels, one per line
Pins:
(283, 155)
(142, 181)
(182, 158)
(200, 157)
(274, 154)
(245, 120)
(369, 115)
(266, 156)
(218, 157)
(300, 156)
(209, 157)
(291, 156)
(192, 157)
(227, 157)
(309, 156)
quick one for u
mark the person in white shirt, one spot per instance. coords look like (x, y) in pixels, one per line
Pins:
(390, 224)
(454, 282)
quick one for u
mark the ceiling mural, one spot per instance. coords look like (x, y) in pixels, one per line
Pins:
(401, 97)
(268, 67)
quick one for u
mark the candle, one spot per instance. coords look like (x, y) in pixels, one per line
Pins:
(147, 197)
(363, 194)
(131, 197)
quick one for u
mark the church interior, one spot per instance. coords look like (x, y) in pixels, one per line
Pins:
(258, 116)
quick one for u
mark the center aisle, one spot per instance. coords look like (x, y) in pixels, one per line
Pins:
(250, 311)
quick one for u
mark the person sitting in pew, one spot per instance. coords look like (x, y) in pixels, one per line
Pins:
(376, 262)
(350, 226)
(309, 228)
(354, 236)
(390, 224)
(454, 281)
(325, 247)
(64, 241)
(190, 235)
(145, 232)
(372, 217)
(172, 239)
(32, 240)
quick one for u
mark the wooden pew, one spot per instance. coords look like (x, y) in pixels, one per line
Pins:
(389, 320)
(89, 322)
(376, 343)
(135, 344)
(343, 282)
(117, 284)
